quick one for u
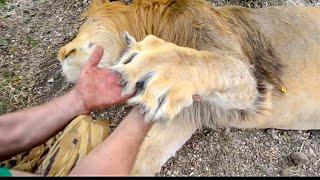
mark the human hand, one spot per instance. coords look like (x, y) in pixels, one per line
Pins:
(97, 87)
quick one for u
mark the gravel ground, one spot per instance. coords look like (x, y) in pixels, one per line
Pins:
(32, 31)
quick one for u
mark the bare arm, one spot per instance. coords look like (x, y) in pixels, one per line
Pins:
(25, 129)
(116, 155)
(95, 88)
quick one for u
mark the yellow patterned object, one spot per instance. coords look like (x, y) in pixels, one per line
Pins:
(59, 155)
(76, 141)
(29, 161)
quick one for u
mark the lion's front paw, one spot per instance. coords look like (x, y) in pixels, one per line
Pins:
(159, 90)
(158, 96)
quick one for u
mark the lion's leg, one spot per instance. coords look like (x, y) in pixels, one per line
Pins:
(161, 143)
(164, 77)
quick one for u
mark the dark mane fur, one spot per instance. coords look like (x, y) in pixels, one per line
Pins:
(256, 47)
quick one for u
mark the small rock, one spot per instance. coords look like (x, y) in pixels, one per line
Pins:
(28, 30)
(181, 159)
(272, 133)
(298, 158)
(50, 80)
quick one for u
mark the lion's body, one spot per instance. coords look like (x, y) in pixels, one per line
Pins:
(295, 36)
(254, 68)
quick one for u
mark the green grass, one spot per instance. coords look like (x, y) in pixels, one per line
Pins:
(261, 170)
(3, 41)
(2, 2)
(286, 138)
(31, 41)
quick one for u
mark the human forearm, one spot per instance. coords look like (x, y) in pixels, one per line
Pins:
(116, 155)
(25, 129)
(95, 88)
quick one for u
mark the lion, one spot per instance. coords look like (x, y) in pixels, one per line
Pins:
(251, 68)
